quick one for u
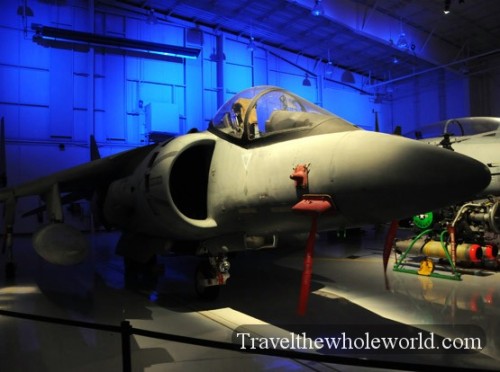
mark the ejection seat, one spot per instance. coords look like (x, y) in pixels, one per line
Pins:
(240, 108)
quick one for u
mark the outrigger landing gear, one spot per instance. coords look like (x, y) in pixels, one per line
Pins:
(10, 266)
(9, 212)
(210, 275)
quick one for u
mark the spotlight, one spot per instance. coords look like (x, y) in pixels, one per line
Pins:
(306, 82)
(402, 41)
(446, 9)
(317, 10)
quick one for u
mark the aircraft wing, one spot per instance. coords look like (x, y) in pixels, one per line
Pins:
(83, 178)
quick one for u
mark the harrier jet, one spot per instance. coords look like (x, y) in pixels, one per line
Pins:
(474, 136)
(238, 185)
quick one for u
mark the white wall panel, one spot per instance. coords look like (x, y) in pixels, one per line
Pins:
(8, 15)
(114, 93)
(33, 55)
(133, 28)
(34, 122)
(115, 25)
(151, 92)
(209, 74)
(350, 105)
(80, 91)
(135, 130)
(10, 42)
(60, 86)
(236, 51)
(60, 16)
(133, 68)
(210, 105)
(100, 126)
(132, 97)
(9, 76)
(99, 93)
(160, 71)
(80, 62)
(237, 77)
(11, 114)
(33, 87)
(81, 17)
(194, 95)
(80, 131)
(162, 33)
(260, 68)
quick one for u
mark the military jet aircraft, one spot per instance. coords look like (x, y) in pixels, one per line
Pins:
(233, 186)
(475, 136)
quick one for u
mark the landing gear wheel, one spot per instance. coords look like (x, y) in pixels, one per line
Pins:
(205, 271)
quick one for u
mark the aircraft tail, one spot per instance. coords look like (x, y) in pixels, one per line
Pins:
(94, 150)
(3, 155)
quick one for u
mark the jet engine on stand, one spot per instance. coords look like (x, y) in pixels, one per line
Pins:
(467, 235)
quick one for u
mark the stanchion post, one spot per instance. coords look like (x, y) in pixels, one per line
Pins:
(126, 357)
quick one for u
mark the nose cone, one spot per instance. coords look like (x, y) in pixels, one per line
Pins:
(383, 177)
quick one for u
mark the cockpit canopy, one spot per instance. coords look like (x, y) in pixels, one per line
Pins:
(263, 111)
(466, 126)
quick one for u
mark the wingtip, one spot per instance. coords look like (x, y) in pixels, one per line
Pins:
(94, 150)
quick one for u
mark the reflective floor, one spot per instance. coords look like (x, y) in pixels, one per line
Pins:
(348, 299)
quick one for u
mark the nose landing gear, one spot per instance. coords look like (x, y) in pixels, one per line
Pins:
(210, 275)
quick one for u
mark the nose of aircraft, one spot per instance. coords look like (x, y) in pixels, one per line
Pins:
(384, 177)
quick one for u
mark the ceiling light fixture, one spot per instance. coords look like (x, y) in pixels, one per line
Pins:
(318, 9)
(25, 11)
(402, 42)
(49, 36)
(446, 9)
(306, 82)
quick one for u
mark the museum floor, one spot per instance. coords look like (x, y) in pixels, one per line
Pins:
(348, 293)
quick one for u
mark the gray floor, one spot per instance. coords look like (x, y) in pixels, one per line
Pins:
(348, 295)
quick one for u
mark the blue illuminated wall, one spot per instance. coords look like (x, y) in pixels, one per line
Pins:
(64, 95)
(429, 98)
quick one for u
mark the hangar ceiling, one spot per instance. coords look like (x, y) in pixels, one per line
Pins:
(387, 40)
